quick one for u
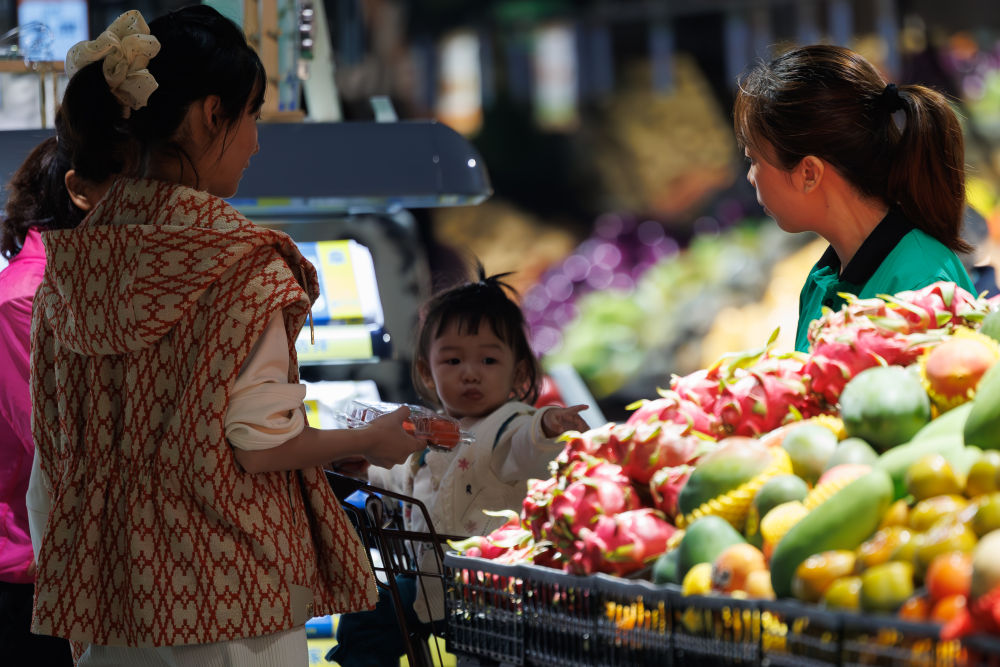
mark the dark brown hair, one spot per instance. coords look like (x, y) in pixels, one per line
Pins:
(201, 53)
(484, 301)
(830, 102)
(37, 197)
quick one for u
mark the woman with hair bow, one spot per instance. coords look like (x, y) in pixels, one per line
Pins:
(182, 513)
(875, 169)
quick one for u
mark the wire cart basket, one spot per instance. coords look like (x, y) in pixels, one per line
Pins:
(377, 515)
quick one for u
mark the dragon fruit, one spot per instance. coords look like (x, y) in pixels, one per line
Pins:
(768, 394)
(936, 306)
(700, 387)
(511, 536)
(666, 485)
(859, 336)
(656, 445)
(620, 544)
(535, 506)
(596, 488)
(640, 448)
(672, 407)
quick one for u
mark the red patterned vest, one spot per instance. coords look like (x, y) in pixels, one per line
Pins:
(156, 537)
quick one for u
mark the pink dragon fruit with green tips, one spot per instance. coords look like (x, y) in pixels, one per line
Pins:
(535, 506)
(769, 394)
(511, 535)
(620, 544)
(700, 387)
(840, 354)
(672, 407)
(655, 445)
(665, 486)
(640, 448)
(598, 488)
(597, 443)
(936, 306)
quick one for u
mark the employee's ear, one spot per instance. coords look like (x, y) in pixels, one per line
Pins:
(811, 170)
(81, 191)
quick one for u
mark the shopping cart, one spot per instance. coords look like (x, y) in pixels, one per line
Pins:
(377, 515)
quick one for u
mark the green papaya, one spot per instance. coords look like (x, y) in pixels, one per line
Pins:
(665, 568)
(844, 521)
(703, 541)
(775, 491)
(897, 460)
(809, 447)
(949, 423)
(852, 450)
(885, 406)
(735, 461)
(991, 325)
(982, 428)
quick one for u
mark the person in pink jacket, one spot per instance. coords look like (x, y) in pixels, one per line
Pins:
(38, 199)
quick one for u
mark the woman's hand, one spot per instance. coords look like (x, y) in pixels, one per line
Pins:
(390, 444)
(557, 421)
(354, 466)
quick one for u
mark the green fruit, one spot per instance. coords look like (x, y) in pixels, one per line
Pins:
(703, 541)
(950, 423)
(887, 586)
(844, 593)
(987, 516)
(885, 406)
(897, 460)
(665, 568)
(844, 521)
(778, 490)
(852, 450)
(984, 474)
(991, 325)
(932, 475)
(982, 427)
(735, 461)
(774, 492)
(809, 447)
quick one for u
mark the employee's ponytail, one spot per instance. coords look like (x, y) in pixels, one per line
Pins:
(927, 170)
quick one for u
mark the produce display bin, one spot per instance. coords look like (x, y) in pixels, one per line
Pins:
(982, 651)
(880, 639)
(531, 615)
(484, 609)
(715, 630)
(793, 633)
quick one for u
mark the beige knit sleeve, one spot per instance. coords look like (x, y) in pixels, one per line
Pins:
(265, 410)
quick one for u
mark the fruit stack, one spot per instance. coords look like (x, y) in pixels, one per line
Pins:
(864, 475)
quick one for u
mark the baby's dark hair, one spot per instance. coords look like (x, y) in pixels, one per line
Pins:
(468, 306)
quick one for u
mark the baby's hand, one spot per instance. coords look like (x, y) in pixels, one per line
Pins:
(390, 443)
(557, 421)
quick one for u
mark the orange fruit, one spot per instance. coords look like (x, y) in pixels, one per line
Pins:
(949, 574)
(947, 608)
(917, 608)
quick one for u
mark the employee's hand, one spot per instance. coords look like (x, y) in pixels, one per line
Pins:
(389, 443)
(556, 421)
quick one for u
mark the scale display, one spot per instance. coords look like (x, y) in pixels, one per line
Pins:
(348, 321)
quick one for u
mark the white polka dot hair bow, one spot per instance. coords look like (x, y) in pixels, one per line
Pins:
(126, 48)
